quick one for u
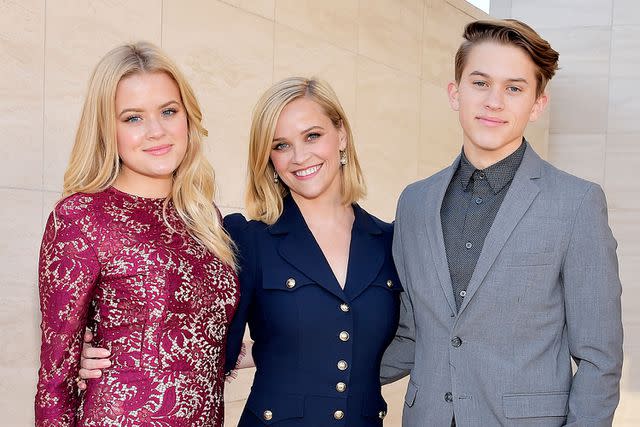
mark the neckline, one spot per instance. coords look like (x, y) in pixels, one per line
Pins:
(135, 196)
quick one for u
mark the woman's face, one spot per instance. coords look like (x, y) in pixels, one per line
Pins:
(151, 126)
(306, 150)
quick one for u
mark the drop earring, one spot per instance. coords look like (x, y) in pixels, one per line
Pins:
(275, 177)
(343, 157)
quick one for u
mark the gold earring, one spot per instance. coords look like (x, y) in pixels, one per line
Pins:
(343, 157)
(275, 177)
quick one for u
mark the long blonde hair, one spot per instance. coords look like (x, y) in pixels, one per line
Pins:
(94, 164)
(264, 196)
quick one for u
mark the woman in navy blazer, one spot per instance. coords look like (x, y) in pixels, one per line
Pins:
(318, 285)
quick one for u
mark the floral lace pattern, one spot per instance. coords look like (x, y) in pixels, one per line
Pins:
(154, 297)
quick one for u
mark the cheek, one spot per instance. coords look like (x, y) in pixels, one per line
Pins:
(127, 140)
(279, 161)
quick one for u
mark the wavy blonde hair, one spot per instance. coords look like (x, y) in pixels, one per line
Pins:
(263, 195)
(94, 164)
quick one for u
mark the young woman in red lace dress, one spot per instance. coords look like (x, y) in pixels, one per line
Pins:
(135, 250)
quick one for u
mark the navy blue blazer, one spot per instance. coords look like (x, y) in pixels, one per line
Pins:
(317, 347)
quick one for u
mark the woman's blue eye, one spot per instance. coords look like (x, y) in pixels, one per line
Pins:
(133, 119)
(281, 146)
(169, 112)
(313, 136)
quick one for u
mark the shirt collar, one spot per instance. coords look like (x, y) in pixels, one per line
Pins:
(498, 174)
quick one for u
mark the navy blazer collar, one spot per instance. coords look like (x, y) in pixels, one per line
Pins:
(291, 219)
(299, 248)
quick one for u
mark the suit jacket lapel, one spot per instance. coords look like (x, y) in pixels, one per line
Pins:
(299, 248)
(366, 253)
(434, 231)
(521, 193)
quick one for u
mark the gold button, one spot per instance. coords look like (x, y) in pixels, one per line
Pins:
(338, 415)
(342, 365)
(291, 282)
(389, 283)
(344, 336)
(341, 387)
(382, 414)
(344, 307)
(267, 415)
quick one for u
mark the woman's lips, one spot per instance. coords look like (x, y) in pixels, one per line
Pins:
(158, 150)
(307, 173)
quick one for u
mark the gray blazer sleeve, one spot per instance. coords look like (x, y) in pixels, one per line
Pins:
(593, 314)
(398, 359)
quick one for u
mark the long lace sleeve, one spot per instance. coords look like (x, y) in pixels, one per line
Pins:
(68, 269)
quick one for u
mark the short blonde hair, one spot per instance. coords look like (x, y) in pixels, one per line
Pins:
(264, 196)
(94, 164)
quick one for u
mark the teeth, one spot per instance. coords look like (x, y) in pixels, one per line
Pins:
(309, 171)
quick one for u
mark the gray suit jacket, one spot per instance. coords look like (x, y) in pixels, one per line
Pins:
(545, 290)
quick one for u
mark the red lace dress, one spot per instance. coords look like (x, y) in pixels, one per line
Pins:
(156, 299)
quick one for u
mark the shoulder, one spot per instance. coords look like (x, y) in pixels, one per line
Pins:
(77, 206)
(244, 233)
(566, 184)
(422, 187)
(376, 223)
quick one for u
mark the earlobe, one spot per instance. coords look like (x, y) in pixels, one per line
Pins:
(452, 91)
(539, 107)
(342, 135)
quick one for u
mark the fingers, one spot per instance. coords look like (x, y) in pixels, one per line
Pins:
(232, 375)
(86, 374)
(88, 336)
(89, 352)
(92, 364)
(82, 385)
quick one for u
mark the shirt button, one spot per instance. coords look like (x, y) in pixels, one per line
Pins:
(267, 415)
(481, 175)
(478, 200)
(344, 307)
(448, 397)
(468, 245)
(344, 336)
(291, 282)
(338, 415)
(456, 342)
(389, 283)
(382, 414)
(463, 294)
(342, 365)
(341, 387)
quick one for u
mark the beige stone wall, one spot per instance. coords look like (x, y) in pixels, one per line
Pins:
(389, 61)
(595, 132)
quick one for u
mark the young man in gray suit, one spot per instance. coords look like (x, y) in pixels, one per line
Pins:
(508, 264)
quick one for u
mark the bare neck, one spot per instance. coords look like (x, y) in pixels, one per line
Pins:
(482, 159)
(324, 211)
(144, 186)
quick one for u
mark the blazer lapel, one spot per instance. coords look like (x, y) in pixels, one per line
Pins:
(299, 248)
(519, 197)
(434, 231)
(366, 253)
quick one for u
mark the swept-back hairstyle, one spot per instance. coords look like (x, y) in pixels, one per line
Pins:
(510, 32)
(94, 164)
(263, 195)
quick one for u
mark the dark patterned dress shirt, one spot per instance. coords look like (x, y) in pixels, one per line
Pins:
(470, 205)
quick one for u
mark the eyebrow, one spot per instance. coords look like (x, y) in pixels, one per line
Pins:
(138, 110)
(301, 133)
(487, 76)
